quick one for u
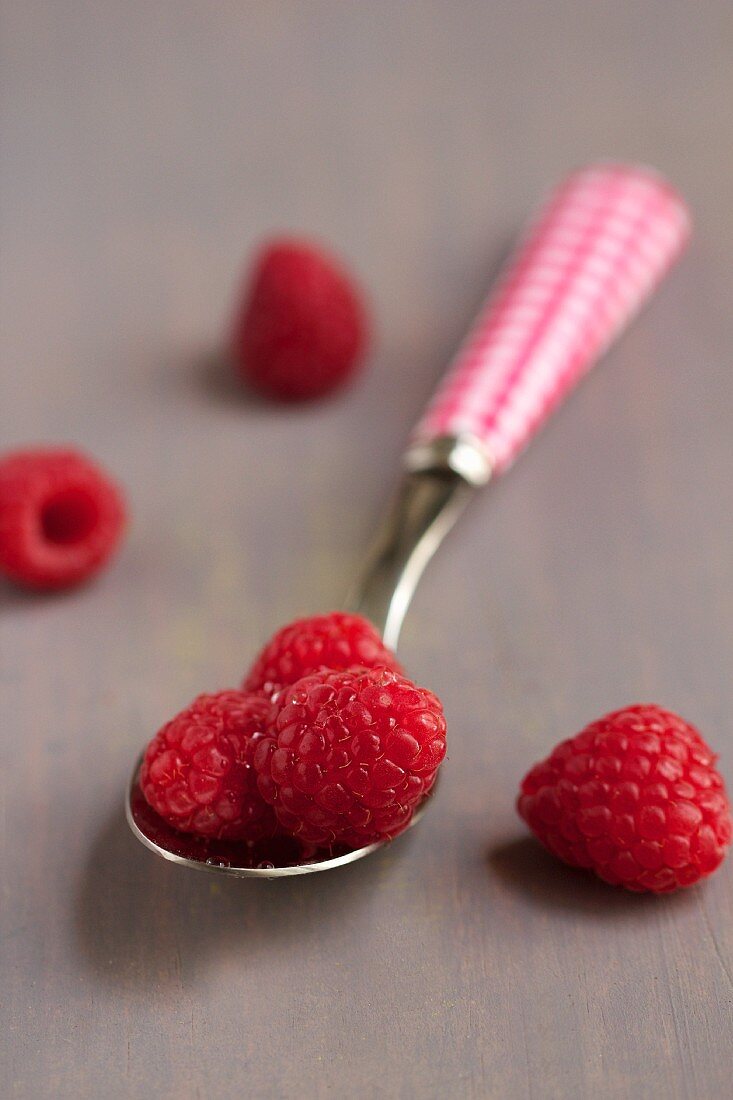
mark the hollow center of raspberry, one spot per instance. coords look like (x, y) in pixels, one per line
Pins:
(68, 517)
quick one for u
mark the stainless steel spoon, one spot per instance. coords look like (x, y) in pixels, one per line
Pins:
(588, 262)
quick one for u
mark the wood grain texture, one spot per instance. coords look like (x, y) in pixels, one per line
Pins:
(146, 146)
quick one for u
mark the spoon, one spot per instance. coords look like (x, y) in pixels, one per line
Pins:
(588, 262)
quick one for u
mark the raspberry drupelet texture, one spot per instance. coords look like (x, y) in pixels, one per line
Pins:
(197, 771)
(335, 641)
(635, 797)
(301, 330)
(350, 755)
(61, 517)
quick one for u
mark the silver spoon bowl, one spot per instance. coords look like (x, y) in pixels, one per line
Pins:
(274, 858)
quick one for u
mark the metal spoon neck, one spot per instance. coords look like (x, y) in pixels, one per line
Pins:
(439, 481)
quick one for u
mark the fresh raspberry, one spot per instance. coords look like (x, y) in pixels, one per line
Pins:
(60, 517)
(635, 797)
(302, 328)
(335, 641)
(197, 771)
(350, 755)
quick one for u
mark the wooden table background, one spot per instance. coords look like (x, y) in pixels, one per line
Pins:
(147, 145)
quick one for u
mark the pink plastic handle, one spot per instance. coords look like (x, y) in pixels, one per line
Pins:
(590, 259)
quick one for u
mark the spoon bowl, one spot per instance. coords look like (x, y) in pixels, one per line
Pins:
(278, 857)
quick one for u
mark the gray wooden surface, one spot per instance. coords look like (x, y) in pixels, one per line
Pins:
(147, 144)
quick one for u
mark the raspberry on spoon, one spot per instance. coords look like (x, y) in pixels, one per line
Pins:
(350, 755)
(635, 797)
(197, 771)
(334, 641)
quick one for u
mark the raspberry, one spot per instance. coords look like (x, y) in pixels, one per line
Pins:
(301, 329)
(60, 517)
(350, 755)
(197, 771)
(635, 797)
(336, 641)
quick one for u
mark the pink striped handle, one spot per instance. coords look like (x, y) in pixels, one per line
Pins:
(590, 259)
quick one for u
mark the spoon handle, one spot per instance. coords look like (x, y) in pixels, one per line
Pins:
(588, 262)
